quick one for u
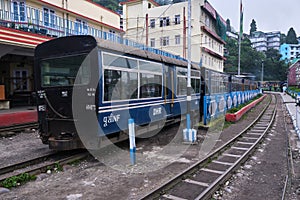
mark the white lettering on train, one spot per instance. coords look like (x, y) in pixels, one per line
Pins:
(156, 111)
(90, 107)
(110, 119)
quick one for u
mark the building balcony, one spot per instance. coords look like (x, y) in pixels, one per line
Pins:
(53, 25)
(34, 21)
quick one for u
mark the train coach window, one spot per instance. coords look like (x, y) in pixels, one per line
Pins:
(181, 86)
(150, 66)
(195, 81)
(64, 70)
(181, 81)
(195, 85)
(118, 61)
(151, 85)
(120, 85)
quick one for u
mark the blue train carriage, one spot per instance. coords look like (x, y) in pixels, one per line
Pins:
(88, 88)
(215, 91)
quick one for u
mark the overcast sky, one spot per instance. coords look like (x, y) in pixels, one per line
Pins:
(270, 15)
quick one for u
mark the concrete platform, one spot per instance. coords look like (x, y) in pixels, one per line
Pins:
(22, 115)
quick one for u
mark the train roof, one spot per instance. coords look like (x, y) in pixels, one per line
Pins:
(106, 44)
(83, 43)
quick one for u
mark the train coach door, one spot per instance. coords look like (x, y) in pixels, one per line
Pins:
(169, 89)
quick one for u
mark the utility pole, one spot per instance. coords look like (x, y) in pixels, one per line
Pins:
(240, 37)
(147, 29)
(262, 72)
(189, 134)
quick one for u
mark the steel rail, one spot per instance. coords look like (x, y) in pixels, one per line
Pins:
(17, 127)
(224, 177)
(41, 164)
(156, 193)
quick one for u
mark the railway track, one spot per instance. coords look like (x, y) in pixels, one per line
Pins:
(17, 128)
(41, 164)
(201, 180)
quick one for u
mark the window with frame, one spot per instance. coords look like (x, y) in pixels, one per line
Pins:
(152, 23)
(49, 17)
(63, 71)
(120, 80)
(181, 81)
(177, 19)
(81, 27)
(119, 84)
(150, 79)
(18, 8)
(34, 15)
(195, 81)
(207, 21)
(21, 80)
(152, 42)
(164, 41)
(126, 78)
(177, 39)
(164, 21)
(2, 4)
(151, 85)
(214, 81)
(110, 60)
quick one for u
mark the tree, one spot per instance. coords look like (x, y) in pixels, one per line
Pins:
(250, 58)
(164, 2)
(282, 38)
(253, 27)
(220, 27)
(110, 4)
(291, 37)
(251, 61)
(178, 1)
(228, 26)
(274, 68)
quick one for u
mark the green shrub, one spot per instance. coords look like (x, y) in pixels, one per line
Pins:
(236, 109)
(17, 180)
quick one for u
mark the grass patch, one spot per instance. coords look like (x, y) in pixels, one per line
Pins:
(227, 124)
(294, 88)
(58, 167)
(15, 181)
(75, 163)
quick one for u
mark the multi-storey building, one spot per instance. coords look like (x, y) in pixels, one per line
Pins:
(259, 41)
(285, 52)
(294, 74)
(263, 41)
(165, 28)
(273, 40)
(295, 50)
(25, 24)
(289, 51)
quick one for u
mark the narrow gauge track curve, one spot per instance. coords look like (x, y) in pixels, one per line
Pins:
(202, 179)
(42, 163)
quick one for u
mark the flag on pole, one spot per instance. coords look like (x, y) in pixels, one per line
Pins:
(241, 19)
